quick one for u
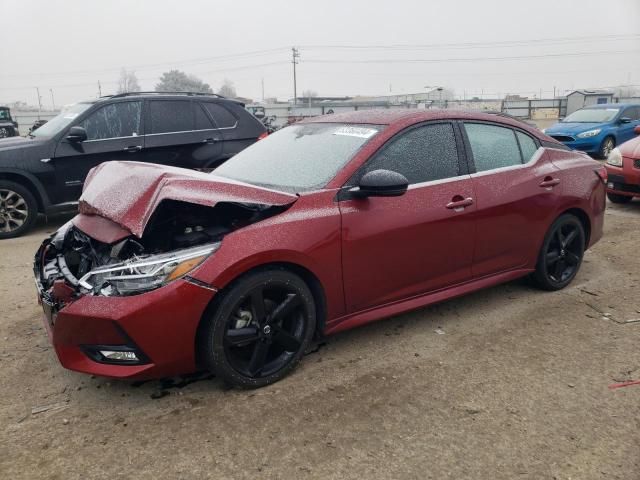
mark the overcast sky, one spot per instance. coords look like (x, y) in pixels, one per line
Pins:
(347, 47)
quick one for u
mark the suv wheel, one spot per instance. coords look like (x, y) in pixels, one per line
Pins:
(18, 209)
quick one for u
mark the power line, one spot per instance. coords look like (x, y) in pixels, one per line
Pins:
(472, 59)
(503, 43)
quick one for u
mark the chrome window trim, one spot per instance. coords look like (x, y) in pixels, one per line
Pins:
(440, 181)
(190, 131)
(113, 138)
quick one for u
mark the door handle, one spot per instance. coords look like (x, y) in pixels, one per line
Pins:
(549, 182)
(132, 149)
(210, 140)
(458, 203)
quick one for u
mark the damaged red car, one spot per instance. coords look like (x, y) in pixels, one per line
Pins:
(328, 224)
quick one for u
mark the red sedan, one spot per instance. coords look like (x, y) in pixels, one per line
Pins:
(623, 169)
(325, 225)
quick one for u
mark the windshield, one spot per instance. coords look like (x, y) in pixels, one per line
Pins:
(298, 158)
(592, 115)
(4, 114)
(59, 122)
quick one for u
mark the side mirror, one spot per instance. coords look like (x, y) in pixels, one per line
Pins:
(381, 183)
(77, 134)
(637, 130)
(625, 120)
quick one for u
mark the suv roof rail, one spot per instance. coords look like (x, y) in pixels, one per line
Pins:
(188, 94)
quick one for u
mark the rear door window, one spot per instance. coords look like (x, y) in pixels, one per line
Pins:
(171, 116)
(116, 120)
(223, 117)
(492, 146)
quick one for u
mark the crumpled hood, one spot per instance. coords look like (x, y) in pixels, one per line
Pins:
(572, 128)
(127, 193)
(631, 148)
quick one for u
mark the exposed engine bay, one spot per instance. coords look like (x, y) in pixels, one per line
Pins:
(177, 238)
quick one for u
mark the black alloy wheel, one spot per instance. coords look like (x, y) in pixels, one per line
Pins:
(561, 254)
(260, 329)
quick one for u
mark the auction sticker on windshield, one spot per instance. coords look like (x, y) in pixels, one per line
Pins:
(360, 132)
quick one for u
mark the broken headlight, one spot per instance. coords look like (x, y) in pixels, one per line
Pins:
(141, 274)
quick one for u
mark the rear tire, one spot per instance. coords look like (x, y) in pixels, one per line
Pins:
(259, 329)
(18, 209)
(615, 198)
(561, 254)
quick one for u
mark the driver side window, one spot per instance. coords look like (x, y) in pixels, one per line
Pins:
(114, 121)
(422, 154)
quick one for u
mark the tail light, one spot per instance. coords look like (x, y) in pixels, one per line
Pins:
(601, 172)
(263, 135)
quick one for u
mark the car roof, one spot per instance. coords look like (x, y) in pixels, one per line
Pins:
(389, 117)
(165, 95)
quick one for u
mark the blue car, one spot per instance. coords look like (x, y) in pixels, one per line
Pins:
(597, 129)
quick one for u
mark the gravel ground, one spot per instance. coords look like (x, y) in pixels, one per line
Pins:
(505, 383)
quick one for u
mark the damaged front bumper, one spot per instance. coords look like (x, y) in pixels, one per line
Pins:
(152, 333)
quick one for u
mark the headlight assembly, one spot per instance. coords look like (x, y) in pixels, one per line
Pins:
(145, 273)
(615, 158)
(589, 133)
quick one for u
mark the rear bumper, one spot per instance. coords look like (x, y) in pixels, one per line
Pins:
(160, 326)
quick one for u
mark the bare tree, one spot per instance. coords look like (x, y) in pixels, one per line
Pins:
(177, 81)
(228, 89)
(626, 91)
(128, 82)
(309, 94)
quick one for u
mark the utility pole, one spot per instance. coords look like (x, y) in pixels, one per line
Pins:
(294, 60)
(262, 89)
(39, 102)
(53, 103)
(99, 89)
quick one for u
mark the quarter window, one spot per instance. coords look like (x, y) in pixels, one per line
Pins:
(120, 119)
(492, 146)
(171, 116)
(222, 116)
(422, 154)
(527, 146)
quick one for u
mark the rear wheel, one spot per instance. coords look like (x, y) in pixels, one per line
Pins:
(561, 254)
(260, 329)
(18, 209)
(615, 198)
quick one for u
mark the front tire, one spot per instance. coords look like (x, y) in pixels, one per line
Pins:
(561, 254)
(259, 330)
(18, 209)
(615, 198)
(607, 145)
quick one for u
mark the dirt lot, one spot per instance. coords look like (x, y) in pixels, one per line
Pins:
(515, 387)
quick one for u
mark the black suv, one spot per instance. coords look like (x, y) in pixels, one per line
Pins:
(45, 172)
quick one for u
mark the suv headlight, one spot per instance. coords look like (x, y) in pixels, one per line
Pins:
(615, 158)
(142, 274)
(589, 133)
